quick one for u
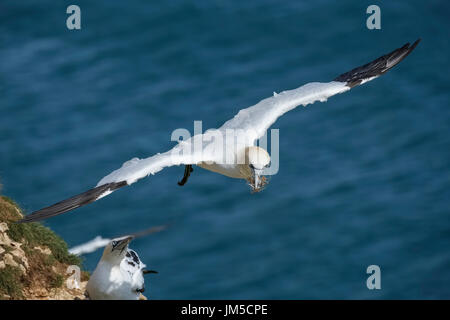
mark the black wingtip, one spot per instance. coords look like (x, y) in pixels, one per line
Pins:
(72, 203)
(377, 67)
(414, 45)
(148, 231)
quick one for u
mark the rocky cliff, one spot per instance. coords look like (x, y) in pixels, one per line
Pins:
(34, 261)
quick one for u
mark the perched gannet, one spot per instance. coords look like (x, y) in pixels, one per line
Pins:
(119, 274)
(217, 150)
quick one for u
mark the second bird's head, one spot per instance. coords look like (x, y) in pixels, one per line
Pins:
(117, 248)
(256, 160)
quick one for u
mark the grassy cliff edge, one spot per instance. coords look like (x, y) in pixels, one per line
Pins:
(33, 259)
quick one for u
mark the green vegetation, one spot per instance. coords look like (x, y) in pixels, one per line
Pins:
(10, 283)
(9, 200)
(35, 234)
(46, 269)
(57, 281)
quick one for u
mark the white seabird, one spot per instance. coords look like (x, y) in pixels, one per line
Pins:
(243, 160)
(119, 274)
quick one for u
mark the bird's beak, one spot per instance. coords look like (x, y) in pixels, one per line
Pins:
(149, 271)
(123, 243)
(258, 180)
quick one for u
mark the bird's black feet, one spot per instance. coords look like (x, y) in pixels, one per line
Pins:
(187, 172)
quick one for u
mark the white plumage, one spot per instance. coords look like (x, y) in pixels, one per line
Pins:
(230, 150)
(247, 127)
(119, 274)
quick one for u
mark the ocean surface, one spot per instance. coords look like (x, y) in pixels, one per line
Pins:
(364, 179)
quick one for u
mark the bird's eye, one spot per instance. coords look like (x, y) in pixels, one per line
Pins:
(114, 243)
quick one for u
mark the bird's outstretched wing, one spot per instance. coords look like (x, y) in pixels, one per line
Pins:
(257, 119)
(254, 121)
(131, 171)
(100, 242)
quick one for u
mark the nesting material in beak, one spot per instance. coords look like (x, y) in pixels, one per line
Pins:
(257, 181)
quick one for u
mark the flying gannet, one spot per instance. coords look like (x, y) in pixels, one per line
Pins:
(217, 152)
(119, 274)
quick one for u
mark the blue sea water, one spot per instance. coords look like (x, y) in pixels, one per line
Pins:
(364, 178)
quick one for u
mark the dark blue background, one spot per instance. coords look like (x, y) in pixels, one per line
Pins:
(364, 178)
